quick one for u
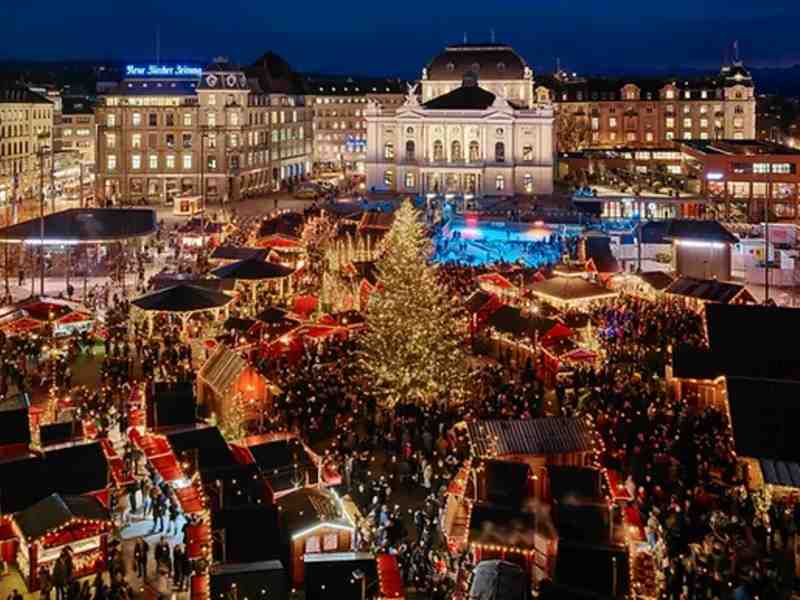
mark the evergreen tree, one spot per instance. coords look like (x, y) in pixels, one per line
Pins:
(411, 351)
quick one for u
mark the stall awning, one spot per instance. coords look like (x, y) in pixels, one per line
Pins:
(252, 269)
(84, 226)
(56, 511)
(182, 299)
(389, 579)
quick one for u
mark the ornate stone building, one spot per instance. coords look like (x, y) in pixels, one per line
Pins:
(478, 129)
(595, 112)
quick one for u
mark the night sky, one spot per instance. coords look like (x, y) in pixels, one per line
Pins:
(399, 37)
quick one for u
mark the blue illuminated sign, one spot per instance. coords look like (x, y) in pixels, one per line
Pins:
(162, 71)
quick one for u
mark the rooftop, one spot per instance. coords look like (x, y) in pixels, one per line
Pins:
(84, 226)
(739, 148)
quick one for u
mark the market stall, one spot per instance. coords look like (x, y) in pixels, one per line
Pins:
(228, 384)
(183, 301)
(568, 292)
(258, 274)
(78, 525)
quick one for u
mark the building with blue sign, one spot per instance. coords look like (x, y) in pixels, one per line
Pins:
(167, 131)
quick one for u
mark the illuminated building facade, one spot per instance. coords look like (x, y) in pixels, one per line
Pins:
(607, 113)
(160, 135)
(476, 131)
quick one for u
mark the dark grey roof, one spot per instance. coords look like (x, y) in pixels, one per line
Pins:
(78, 468)
(252, 269)
(286, 224)
(165, 280)
(307, 507)
(56, 511)
(237, 253)
(477, 301)
(15, 94)
(182, 298)
(493, 525)
(77, 106)
(509, 319)
(213, 451)
(493, 61)
(654, 232)
(466, 97)
(85, 225)
(570, 288)
(743, 148)
(553, 435)
(498, 580)
(658, 280)
(778, 472)
(689, 362)
(764, 417)
(708, 290)
(706, 231)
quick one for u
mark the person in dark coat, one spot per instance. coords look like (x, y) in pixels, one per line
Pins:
(140, 554)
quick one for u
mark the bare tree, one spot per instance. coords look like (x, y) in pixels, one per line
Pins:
(572, 132)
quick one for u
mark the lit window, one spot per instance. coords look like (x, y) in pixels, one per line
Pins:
(136, 119)
(170, 161)
(670, 135)
(670, 122)
(703, 109)
(613, 136)
(187, 162)
(136, 140)
(612, 121)
(153, 161)
(687, 123)
(136, 161)
(410, 180)
(670, 94)
(474, 151)
(703, 122)
(687, 94)
(648, 136)
(388, 178)
(528, 183)
(704, 94)
(111, 162)
(527, 153)
(111, 120)
(212, 119)
(187, 119)
(388, 151)
(234, 119)
(111, 140)
(500, 183)
(212, 100)
(761, 168)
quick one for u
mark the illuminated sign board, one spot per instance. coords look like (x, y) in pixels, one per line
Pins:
(714, 176)
(162, 71)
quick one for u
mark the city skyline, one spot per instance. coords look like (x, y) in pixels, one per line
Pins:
(583, 36)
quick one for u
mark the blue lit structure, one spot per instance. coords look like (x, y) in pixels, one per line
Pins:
(176, 71)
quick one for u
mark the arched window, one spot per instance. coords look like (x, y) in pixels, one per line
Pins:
(499, 152)
(528, 183)
(438, 150)
(739, 110)
(474, 152)
(455, 151)
(500, 183)
(388, 178)
(410, 150)
(388, 151)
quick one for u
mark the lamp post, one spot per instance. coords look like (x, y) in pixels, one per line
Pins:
(766, 233)
(43, 149)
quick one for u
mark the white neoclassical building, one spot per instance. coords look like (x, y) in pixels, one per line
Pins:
(478, 129)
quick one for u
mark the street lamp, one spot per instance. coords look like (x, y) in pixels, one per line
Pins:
(43, 149)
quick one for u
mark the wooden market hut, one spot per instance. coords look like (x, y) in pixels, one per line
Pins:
(647, 284)
(341, 575)
(227, 380)
(52, 525)
(15, 426)
(566, 292)
(254, 273)
(313, 521)
(223, 255)
(249, 580)
(182, 301)
(697, 293)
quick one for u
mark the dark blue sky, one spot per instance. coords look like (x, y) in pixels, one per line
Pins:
(398, 37)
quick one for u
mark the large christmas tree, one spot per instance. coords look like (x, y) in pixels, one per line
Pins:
(411, 351)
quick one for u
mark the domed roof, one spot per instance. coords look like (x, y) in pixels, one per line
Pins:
(486, 61)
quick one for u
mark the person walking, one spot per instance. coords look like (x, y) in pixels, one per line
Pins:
(140, 555)
(178, 574)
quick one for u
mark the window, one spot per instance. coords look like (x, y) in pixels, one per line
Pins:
(739, 110)
(670, 94)
(111, 140)
(687, 94)
(136, 119)
(170, 120)
(187, 162)
(499, 152)
(528, 181)
(111, 120)
(595, 123)
(152, 140)
(212, 163)
(438, 150)
(455, 151)
(170, 140)
(687, 135)
(136, 161)
(187, 140)
(388, 178)
(738, 122)
(410, 180)
(153, 162)
(738, 135)
(648, 136)
(152, 120)
(687, 123)
(704, 94)
(631, 136)
(670, 135)
(527, 153)
(474, 152)
(187, 119)
(784, 168)
(212, 99)
(170, 161)
(612, 122)
(136, 140)
(410, 150)
(670, 122)
(703, 135)
(212, 119)
(111, 162)
(234, 119)
(761, 168)
(703, 109)
(613, 136)
(500, 183)
(312, 544)
(388, 151)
